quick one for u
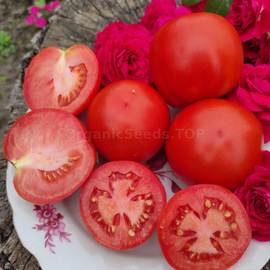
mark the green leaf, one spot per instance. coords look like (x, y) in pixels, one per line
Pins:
(220, 7)
(40, 3)
(189, 3)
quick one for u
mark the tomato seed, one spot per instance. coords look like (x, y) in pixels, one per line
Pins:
(128, 175)
(220, 208)
(146, 216)
(179, 233)
(149, 202)
(222, 235)
(208, 204)
(64, 169)
(131, 233)
(227, 214)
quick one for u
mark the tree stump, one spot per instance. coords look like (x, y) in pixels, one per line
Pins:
(77, 22)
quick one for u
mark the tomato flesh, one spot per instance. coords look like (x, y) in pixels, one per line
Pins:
(67, 80)
(50, 153)
(120, 204)
(203, 227)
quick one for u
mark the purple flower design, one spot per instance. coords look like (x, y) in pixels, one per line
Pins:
(156, 164)
(51, 223)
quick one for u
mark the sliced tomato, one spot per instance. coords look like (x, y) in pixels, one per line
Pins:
(67, 80)
(120, 204)
(50, 153)
(203, 227)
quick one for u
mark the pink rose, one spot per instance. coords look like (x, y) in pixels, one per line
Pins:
(55, 4)
(253, 92)
(257, 50)
(182, 10)
(30, 19)
(251, 18)
(264, 53)
(198, 7)
(155, 10)
(255, 196)
(41, 22)
(123, 53)
(34, 10)
(48, 7)
(159, 12)
(252, 49)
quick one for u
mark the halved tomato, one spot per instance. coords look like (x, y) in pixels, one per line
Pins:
(50, 153)
(120, 204)
(203, 227)
(67, 80)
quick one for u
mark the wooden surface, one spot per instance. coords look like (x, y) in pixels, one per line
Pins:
(77, 21)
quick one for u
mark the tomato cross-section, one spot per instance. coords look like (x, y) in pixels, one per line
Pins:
(50, 153)
(120, 204)
(67, 80)
(203, 227)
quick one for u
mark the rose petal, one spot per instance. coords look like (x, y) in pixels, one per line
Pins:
(246, 100)
(30, 19)
(261, 238)
(34, 10)
(266, 159)
(41, 22)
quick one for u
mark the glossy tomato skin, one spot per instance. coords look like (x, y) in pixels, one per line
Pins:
(66, 80)
(128, 120)
(50, 153)
(214, 141)
(120, 204)
(196, 56)
(203, 227)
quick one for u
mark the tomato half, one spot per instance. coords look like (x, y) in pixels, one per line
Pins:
(120, 204)
(203, 227)
(214, 141)
(195, 56)
(66, 80)
(128, 120)
(50, 153)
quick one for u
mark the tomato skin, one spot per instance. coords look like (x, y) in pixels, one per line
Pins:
(190, 60)
(110, 207)
(50, 153)
(214, 141)
(128, 120)
(51, 81)
(212, 206)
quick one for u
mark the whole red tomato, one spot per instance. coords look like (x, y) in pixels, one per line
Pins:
(195, 56)
(128, 120)
(214, 141)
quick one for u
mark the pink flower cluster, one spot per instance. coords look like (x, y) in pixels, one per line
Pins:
(51, 223)
(36, 13)
(255, 196)
(251, 19)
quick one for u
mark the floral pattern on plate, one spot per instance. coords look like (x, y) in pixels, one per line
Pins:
(52, 223)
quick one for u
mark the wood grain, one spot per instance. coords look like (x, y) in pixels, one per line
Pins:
(77, 21)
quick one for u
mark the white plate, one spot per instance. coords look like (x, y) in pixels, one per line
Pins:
(78, 250)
